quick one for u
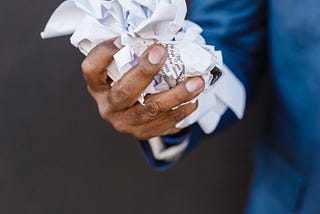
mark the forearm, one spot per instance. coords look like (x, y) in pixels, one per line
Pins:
(238, 28)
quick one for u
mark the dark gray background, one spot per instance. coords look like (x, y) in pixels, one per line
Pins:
(58, 156)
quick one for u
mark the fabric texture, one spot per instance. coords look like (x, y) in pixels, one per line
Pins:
(280, 37)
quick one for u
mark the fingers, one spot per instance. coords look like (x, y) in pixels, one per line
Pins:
(127, 90)
(117, 104)
(95, 64)
(176, 96)
(159, 104)
(164, 125)
(126, 122)
(175, 116)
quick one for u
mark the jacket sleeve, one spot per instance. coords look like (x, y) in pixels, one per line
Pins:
(239, 29)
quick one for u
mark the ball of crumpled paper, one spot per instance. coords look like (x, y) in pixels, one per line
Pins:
(139, 24)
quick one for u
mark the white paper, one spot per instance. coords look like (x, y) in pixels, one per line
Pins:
(141, 23)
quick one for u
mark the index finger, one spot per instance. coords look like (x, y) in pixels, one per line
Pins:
(95, 64)
(126, 91)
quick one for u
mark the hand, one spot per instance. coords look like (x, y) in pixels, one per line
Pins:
(118, 104)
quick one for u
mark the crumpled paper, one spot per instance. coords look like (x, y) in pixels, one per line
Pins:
(139, 23)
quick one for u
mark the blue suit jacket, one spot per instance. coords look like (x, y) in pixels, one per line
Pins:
(281, 37)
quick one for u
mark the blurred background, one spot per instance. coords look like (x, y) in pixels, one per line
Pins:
(58, 156)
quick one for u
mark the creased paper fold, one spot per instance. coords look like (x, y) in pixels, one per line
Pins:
(141, 23)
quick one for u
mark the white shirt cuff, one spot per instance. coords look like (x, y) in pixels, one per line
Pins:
(160, 152)
(228, 92)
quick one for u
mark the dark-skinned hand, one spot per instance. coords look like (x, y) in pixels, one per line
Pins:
(118, 104)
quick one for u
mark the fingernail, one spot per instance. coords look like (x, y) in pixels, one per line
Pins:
(156, 55)
(117, 43)
(195, 84)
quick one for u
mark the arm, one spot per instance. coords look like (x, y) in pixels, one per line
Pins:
(238, 28)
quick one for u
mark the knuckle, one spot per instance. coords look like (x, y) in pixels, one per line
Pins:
(118, 95)
(152, 108)
(104, 113)
(87, 67)
(135, 115)
(143, 71)
(177, 96)
(105, 110)
(140, 117)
